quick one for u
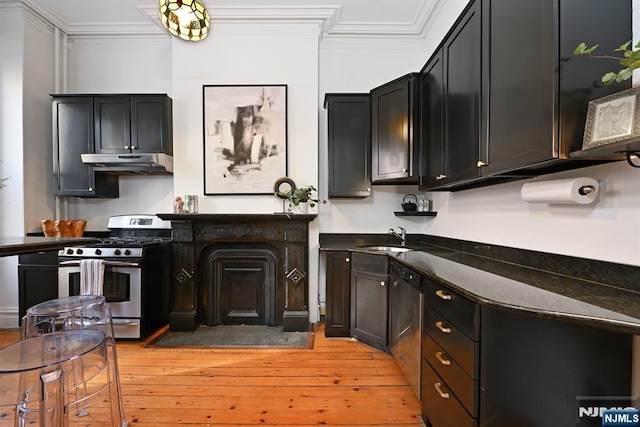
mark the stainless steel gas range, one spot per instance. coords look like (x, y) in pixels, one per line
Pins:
(137, 273)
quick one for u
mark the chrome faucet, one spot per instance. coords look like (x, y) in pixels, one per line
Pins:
(402, 236)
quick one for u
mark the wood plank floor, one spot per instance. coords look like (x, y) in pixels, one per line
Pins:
(339, 382)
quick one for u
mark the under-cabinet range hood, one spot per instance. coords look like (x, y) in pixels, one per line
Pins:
(131, 164)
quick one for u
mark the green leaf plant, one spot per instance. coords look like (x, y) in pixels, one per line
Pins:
(629, 59)
(302, 195)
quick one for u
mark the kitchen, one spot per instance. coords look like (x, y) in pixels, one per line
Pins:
(137, 63)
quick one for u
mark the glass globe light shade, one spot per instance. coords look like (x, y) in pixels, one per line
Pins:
(187, 19)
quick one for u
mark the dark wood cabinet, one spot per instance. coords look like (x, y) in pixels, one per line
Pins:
(338, 285)
(370, 299)
(451, 104)
(474, 357)
(537, 114)
(37, 279)
(349, 144)
(395, 130)
(510, 112)
(136, 123)
(73, 135)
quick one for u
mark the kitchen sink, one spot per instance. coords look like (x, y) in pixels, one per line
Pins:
(387, 248)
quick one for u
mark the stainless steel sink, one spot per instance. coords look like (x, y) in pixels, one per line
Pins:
(387, 248)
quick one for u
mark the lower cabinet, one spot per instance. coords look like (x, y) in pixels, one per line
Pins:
(37, 279)
(370, 299)
(338, 276)
(486, 367)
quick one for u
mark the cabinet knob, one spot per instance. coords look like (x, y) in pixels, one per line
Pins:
(481, 163)
(126, 147)
(441, 359)
(440, 177)
(133, 147)
(438, 387)
(443, 295)
(347, 259)
(90, 188)
(443, 328)
(404, 170)
(382, 283)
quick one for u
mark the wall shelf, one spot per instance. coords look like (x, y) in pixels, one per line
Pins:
(415, 213)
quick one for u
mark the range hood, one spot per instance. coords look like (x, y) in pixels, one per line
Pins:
(131, 164)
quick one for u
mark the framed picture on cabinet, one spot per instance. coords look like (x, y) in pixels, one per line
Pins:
(245, 138)
(612, 118)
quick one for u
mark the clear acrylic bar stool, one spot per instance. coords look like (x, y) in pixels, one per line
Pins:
(38, 374)
(79, 312)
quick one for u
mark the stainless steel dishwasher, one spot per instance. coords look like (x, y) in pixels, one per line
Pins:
(405, 321)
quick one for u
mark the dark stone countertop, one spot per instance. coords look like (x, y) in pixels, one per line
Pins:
(602, 294)
(29, 244)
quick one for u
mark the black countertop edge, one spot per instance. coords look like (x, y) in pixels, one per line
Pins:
(30, 244)
(280, 216)
(513, 287)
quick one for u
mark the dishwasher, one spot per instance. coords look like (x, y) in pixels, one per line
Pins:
(405, 321)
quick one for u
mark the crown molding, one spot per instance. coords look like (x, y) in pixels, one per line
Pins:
(327, 17)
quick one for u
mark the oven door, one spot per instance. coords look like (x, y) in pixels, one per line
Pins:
(121, 288)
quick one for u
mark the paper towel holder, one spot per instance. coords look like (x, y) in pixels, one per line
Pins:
(570, 191)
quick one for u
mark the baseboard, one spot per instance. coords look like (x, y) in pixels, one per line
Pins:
(8, 317)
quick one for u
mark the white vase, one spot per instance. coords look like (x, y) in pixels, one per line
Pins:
(302, 208)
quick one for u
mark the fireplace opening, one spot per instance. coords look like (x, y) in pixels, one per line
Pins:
(239, 285)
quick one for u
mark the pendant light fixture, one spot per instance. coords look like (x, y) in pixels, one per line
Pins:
(187, 19)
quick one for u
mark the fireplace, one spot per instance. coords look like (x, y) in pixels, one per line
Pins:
(239, 269)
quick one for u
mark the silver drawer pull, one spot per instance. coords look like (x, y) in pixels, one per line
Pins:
(442, 359)
(442, 328)
(442, 394)
(443, 295)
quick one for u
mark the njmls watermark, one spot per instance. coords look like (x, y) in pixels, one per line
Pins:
(618, 411)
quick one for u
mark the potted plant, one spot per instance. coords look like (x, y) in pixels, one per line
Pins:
(628, 58)
(302, 197)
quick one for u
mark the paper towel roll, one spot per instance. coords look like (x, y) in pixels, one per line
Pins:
(570, 191)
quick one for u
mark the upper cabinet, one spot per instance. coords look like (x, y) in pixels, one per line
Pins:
(451, 109)
(73, 132)
(349, 144)
(136, 123)
(498, 109)
(395, 121)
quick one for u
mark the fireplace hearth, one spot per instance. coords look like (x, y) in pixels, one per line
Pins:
(239, 269)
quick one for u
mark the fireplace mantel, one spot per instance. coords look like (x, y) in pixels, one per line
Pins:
(194, 233)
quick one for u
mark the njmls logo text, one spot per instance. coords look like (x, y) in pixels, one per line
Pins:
(618, 417)
(598, 411)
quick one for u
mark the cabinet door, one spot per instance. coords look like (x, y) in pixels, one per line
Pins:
(462, 56)
(349, 144)
(36, 284)
(432, 123)
(112, 124)
(369, 308)
(72, 120)
(338, 276)
(391, 130)
(151, 130)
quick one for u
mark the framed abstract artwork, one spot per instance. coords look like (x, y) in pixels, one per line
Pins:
(245, 138)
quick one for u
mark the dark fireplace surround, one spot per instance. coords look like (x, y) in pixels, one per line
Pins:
(240, 269)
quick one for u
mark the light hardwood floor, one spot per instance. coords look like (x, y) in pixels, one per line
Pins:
(339, 382)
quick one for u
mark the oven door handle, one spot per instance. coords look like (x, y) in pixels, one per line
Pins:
(106, 263)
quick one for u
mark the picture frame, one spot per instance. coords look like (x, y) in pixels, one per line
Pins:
(612, 118)
(244, 138)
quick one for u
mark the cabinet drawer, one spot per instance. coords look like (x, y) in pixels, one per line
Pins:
(374, 264)
(458, 310)
(439, 405)
(456, 344)
(462, 385)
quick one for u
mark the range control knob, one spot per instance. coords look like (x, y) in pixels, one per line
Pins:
(98, 251)
(79, 251)
(116, 252)
(127, 252)
(70, 251)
